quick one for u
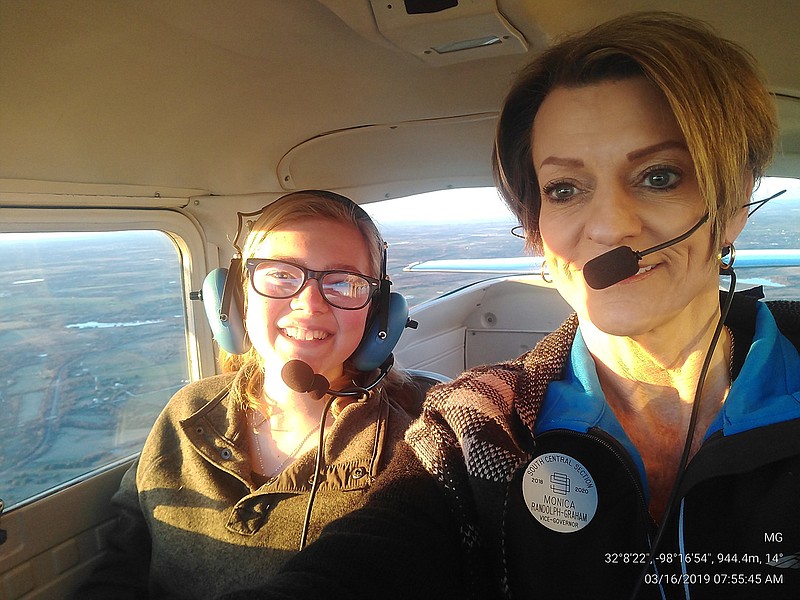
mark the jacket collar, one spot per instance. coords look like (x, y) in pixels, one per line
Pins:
(217, 431)
(767, 390)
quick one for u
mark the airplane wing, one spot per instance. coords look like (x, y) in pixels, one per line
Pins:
(527, 265)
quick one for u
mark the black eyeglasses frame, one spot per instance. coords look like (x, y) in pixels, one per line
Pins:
(252, 263)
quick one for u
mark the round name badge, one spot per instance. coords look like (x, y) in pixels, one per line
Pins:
(559, 492)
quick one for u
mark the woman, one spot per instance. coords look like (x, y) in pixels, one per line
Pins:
(650, 446)
(218, 498)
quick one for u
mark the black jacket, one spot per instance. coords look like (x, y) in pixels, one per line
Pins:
(449, 517)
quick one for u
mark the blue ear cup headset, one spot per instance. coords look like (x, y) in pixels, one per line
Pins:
(379, 340)
(226, 316)
(222, 296)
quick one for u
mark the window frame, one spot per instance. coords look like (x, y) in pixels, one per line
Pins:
(192, 255)
(181, 228)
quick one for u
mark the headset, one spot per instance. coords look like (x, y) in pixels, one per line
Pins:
(223, 297)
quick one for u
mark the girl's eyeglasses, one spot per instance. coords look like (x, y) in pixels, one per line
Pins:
(281, 279)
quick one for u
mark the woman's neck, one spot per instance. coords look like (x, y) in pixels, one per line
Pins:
(291, 410)
(665, 361)
(283, 427)
(650, 383)
(651, 393)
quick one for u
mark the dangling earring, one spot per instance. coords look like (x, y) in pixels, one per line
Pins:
(545, 272)
(726, 257)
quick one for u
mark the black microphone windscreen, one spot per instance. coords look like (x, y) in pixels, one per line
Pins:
(298, 375)
(319, 387)
(611, 267)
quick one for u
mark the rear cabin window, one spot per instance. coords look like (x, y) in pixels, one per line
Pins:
(466, 223)
(93, 332)
(473, 223)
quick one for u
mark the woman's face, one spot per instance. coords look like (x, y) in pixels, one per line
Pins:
(614, 170)
(305, 327)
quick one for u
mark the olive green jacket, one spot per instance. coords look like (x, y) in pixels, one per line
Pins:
(193, 524)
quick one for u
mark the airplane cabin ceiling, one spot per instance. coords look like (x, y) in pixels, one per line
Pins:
(219, 97)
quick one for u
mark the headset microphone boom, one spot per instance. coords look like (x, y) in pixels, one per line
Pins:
(622, 262)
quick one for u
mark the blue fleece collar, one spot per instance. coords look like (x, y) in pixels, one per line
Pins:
(577, 403)
(767, 391)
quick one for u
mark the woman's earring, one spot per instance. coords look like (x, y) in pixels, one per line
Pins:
(726, 257)
(545, 272)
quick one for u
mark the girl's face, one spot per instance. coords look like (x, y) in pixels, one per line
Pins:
(614, 170)
(305, 326)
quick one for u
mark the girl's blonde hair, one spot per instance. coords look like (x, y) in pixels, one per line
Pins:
(713, 86)
(248, 385)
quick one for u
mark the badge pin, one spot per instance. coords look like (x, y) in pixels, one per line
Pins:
(559, 492)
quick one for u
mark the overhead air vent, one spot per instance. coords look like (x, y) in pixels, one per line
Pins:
(442, 32)
(418, 7)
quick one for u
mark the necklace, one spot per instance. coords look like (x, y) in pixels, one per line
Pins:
(289, 457)
(733, 351)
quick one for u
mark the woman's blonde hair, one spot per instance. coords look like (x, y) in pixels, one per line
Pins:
(713, 86)
(248, 385)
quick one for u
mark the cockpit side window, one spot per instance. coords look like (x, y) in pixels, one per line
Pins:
(93, 330)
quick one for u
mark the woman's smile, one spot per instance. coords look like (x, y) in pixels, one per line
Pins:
(304, 334)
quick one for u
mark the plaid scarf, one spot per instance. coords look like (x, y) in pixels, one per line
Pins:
(477, 430)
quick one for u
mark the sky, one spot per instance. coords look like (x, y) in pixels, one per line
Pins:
(466, 204)
(483, 204)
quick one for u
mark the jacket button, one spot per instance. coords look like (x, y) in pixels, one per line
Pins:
(359, 472)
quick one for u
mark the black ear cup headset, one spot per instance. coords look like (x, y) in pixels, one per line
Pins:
(223, 299)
